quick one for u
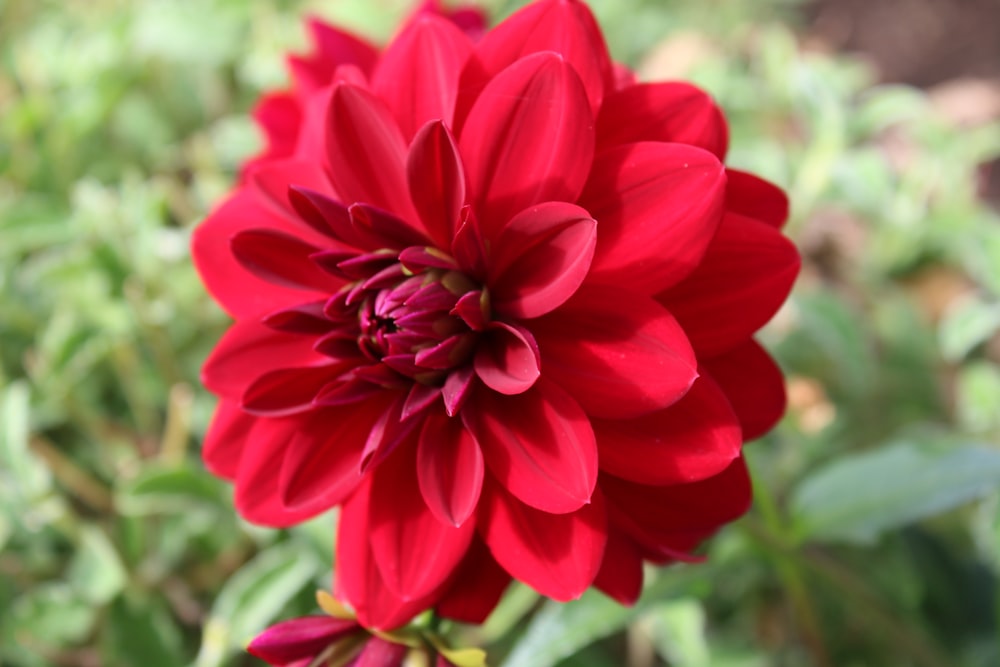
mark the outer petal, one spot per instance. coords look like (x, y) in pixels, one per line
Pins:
(529, 139)
(414, 550)
(566, 27)
(437, 181)
(476, 588)
(753, 384)
(744, 278)
(271, 181)
(556, 554)
(756, 198)
(298, 638)
(333, 48)
(279, 116)
(417, 76)
(540, 259)
(696, 437)
(658, 206)
(618, 353)
(250, 349)
(449, 468)
(547, 457)
(669, 112)
(281, 259)
(620, 576)
(366, 152)
(226, 438)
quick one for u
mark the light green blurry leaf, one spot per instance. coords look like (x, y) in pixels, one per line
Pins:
(96, 572)
(677, 628)
(182, 31)
(855, 498)
(977, 397)
(142, 632)
(170, 490)
(49, 616)
(253, 597)
(967, 324)
(21, 470)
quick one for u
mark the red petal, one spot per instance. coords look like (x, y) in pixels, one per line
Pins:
(414, 550)
(658, 206)
(248, 350)
(565, 27)
(540, 258)
(299, 638)
(556, 554)
(278, 114)
(272, 180)
(476, 587)
(529, 139)
(241, 293)
(449, 468)
(288, 391)
(620, 576)
(696, 437)
(756, 198)
(334, 48)
(381, 653)
(418, 74)
(366, 152)
(754, 385)
(618, 353)
(226, 438)
(507, 359)
(744, 278)
(437, 181)
(281, 259)
(547, 456)
(323, 461)
(669, 112)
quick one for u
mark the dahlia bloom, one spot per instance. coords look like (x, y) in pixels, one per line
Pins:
(497, 304)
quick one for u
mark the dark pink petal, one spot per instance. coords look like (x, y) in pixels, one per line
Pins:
(618, 353)
(657, 516)
(696, 437)
(279, 115)
(384, 227)
(556, 554)
(366, 151)
(225, 439)
(250, 349)
(753, 384)
(288, 391)
(540, 258)
(756, 198)
(672, 112)
(658, 206)
(547, 457)
(389, 432)
(307, 318)
(565, 27)
(415, 551)
(529, 139)
(357, 579)
(322, 464)
(257, 498)
(507, 360)
(449, 468)
(381, 653)
(475, 590)
(620, 576)
(417, 76)
(469, 248)
(420, 398)
(473, 307)
(298, 638)
(272, 180)
(418, 258)
(334, 48)
(281, 259)
(239, 292)
(456, 389)
(437, 181)
(744, 278)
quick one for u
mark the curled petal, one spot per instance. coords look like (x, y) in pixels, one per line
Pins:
(756, 198)
(754, 385)
(436, 177)
(507, 360)
(529, 139)
(556, 554)
(658, 206)
(696, 437)
(281, 259)
(744, 278)
(299, 638)
(381, 653)
(449, 469)
(540, 259)
(547, 457)
(618, 353)
(288, 391)
(334, 48)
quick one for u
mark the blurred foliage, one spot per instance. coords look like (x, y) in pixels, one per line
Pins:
(875, 538)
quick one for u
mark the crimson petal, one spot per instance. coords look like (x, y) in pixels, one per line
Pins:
(281, 259)
(620, 576)
(418, 74)
(540, 258)
(436, 178)
(449, 469)
(672, 112)
(529, 139)
(743, 279)
(476, 587)
(507, 360)
(756, 198)
(618, 353)
(696, 437)
(547, 457)
(272, 180)
(299, 638)
(659, 206)
(288, 391)
(225, 439)
(556, 554)
(380, 653)
(753, 384)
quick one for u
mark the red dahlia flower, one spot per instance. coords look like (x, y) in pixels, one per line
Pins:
(498, 305)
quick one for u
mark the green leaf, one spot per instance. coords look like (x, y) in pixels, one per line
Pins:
(171, 490)
(20, 469)
(253, 597)
(49, 616)
(677, 628)
(142, 632)
(858, 497)
(967, 324)
(96, 572)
